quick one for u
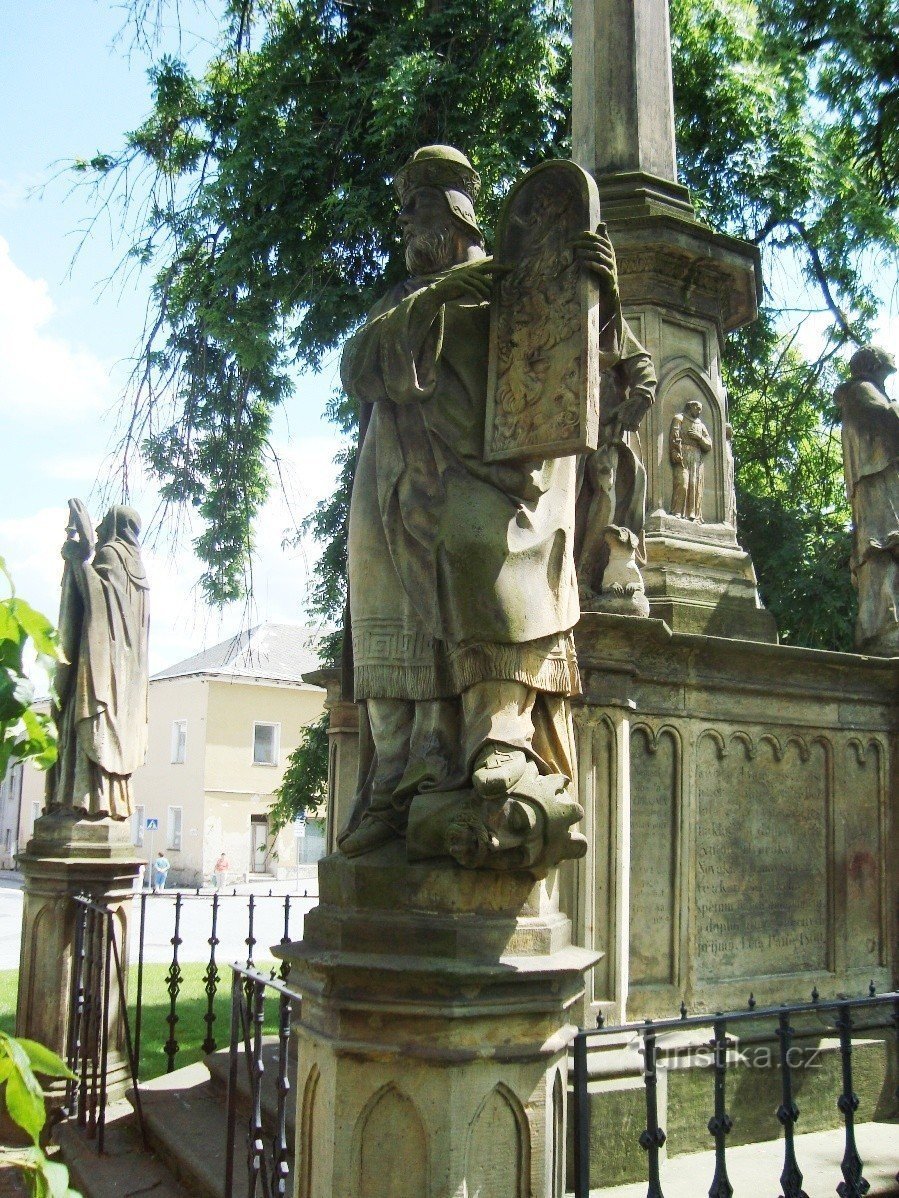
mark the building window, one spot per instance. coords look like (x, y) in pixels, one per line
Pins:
(265, 744)
(35, 812)
(173, 839)
(137, 825)
(179, 742)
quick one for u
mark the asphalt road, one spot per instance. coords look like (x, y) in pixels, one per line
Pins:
(195, 924)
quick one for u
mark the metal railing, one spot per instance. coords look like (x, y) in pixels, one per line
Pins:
(92, 1019)
(652, 1139)
(268, 1153)
(213, 908)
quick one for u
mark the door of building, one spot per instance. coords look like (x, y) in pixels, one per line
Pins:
(258, 843)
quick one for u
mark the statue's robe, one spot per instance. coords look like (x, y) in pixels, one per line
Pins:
(871, 466)
(103, 689)
(460, 572)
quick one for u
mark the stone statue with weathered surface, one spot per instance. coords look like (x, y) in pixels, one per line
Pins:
(871, 466)
(463, 590)
(102, 689)
(688, 443)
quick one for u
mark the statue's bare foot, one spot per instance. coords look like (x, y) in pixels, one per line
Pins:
(370, 835)
(496, 770)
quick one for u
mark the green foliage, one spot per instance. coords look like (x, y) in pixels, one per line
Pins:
(305, 783)
(269, 226)
(20, 1061)
(24, 732)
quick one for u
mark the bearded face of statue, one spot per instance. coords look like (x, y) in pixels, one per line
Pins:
(431, 237)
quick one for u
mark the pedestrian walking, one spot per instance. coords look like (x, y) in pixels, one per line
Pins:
(221, 870)
(161, 867)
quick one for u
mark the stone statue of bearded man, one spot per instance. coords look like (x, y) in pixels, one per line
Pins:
(463, 590)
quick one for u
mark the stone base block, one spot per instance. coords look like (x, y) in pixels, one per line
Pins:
(437, 1013)
(67, 857)
(699, 580)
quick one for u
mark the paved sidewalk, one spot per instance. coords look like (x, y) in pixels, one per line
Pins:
(754, 1169)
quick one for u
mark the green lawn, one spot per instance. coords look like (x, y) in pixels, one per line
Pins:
(190, 1030)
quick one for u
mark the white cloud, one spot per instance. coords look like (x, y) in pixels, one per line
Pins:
(42, 375)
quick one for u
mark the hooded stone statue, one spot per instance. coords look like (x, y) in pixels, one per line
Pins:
(871, 467)
(102, 689)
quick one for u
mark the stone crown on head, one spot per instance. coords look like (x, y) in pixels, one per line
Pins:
(447, 169)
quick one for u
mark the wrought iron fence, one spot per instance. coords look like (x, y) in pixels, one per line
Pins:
(193, 906)
(95, 1004)
(844, 1014)
(268, 1154)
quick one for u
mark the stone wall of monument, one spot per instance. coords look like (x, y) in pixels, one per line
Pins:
(737, 799)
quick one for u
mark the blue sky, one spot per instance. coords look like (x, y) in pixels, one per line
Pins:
(72, 83)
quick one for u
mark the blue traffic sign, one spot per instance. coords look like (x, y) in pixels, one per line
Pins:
(151, 824)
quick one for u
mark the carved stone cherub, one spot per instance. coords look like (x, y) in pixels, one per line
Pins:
(688, 443)
(871, 467)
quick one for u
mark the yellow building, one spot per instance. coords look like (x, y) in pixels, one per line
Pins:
(222, 726)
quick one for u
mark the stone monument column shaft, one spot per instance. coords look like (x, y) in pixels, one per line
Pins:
(683, 288)
(623, 103)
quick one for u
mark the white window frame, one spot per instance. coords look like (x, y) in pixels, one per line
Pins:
(178, 742)
(173, 839)
(276, 742)
(139, 820)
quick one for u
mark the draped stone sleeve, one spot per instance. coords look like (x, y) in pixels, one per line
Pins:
(394, 355)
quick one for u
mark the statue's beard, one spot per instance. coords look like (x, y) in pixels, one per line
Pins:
(428, 253)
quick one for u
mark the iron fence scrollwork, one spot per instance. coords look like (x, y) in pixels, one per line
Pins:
(647, 1036)
(91, 1019)
(268, 1153)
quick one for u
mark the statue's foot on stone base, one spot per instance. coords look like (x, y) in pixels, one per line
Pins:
(370, 835)
(496, 770)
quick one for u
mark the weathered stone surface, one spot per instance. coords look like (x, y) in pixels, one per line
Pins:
(748, 787)
(871, 466)
(67, 857)
(433, 1047)
(463, 590)
(102, 686)
(544, 368)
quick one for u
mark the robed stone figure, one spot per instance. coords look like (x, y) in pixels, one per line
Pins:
(871, 466)
(102, 688)
(463, 591)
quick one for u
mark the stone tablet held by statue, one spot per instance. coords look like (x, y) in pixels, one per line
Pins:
(544, 367)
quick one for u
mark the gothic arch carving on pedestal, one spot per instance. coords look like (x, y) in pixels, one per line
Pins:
(390, 1147)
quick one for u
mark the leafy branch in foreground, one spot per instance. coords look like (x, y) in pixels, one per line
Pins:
(24, 732)
(304, 787)
(20, 1061)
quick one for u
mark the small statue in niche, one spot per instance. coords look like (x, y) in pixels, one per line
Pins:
(730, 478)
(688, 443)
(871, 466)
(103, 688)
(611, 504)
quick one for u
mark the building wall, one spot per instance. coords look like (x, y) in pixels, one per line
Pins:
(162, 783)
(237, 788)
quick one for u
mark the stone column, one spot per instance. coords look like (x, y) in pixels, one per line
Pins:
(437, 1013)
(683, 288)
(66, 857)
(343, 751)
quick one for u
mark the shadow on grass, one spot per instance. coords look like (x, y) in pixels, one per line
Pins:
(191, 1007)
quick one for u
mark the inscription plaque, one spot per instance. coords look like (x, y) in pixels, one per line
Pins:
(761, 858)
(653, 840)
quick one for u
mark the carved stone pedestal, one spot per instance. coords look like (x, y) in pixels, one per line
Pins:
(66, 857)
(437, 1012)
